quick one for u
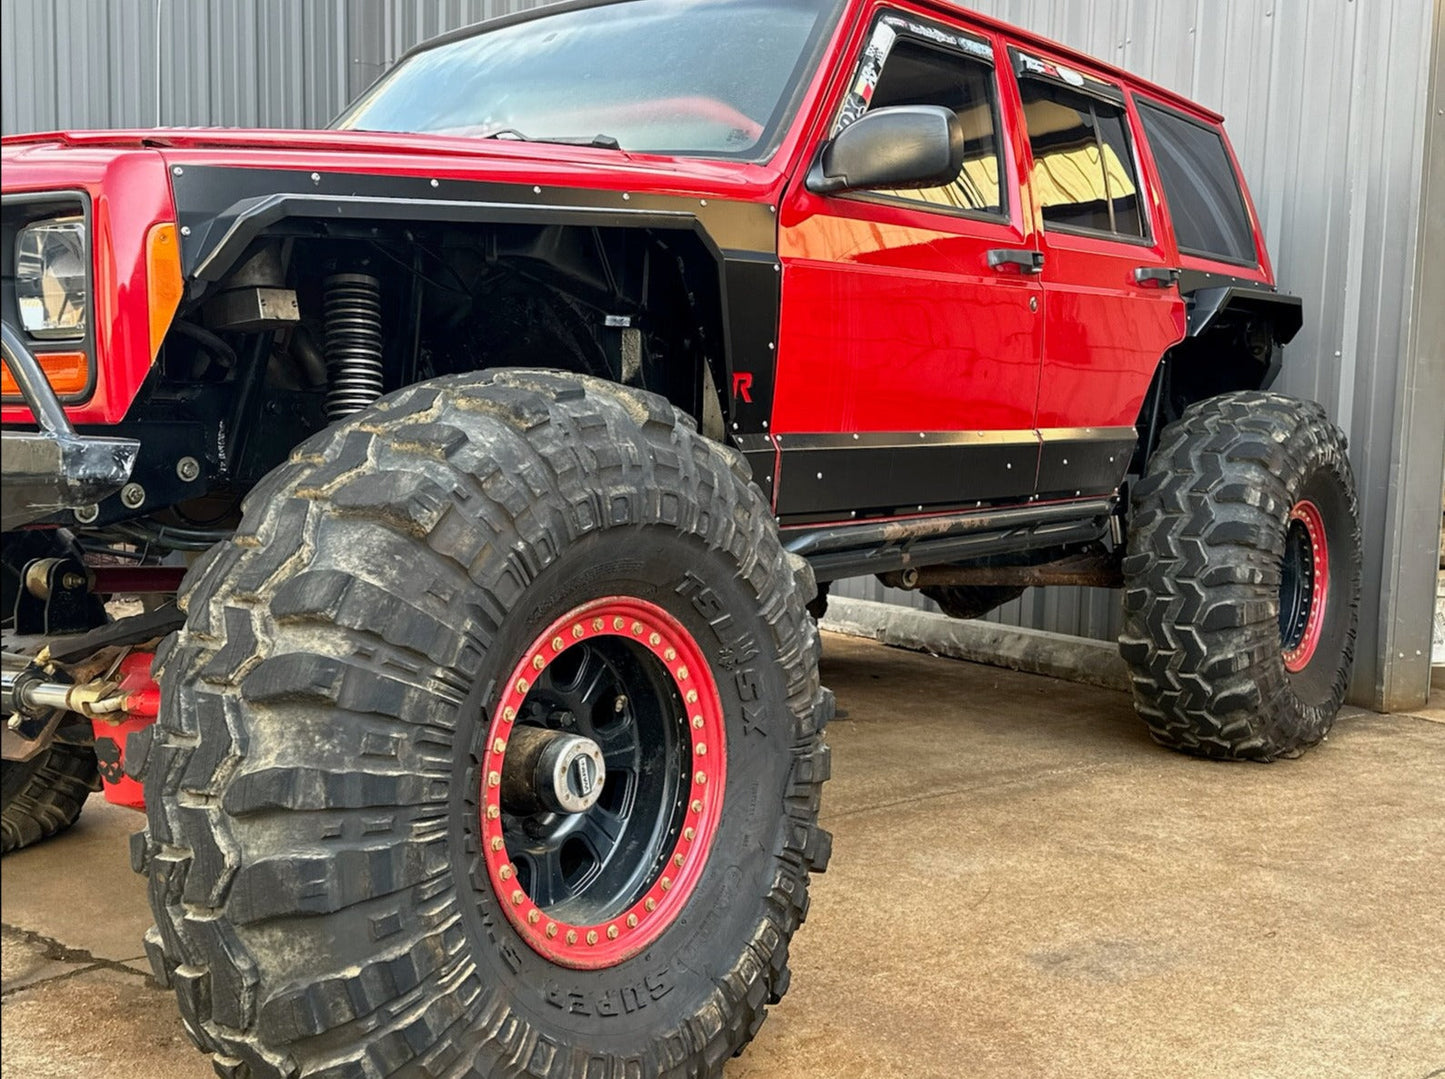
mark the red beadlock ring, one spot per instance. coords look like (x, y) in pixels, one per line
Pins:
(1308, 514)
(605, 944)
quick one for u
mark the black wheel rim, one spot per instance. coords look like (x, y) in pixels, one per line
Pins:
(587, 867)
(1296, 586)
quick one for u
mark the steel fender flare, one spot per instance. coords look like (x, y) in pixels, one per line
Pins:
(1208, 306)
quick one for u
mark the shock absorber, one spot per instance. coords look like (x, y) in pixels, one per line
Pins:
(353, 343)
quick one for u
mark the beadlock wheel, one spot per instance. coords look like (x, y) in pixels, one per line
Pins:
(1304, 585)
(592, 888)
(1242, 579)
(491, 747)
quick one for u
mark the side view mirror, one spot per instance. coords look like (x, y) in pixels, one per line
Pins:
(904, 146)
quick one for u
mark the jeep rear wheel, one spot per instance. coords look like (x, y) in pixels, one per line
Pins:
(1242, 579)
(44, 795)
(491, 746)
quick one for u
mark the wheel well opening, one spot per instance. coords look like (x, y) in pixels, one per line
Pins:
(1238, 352)
(637, 306)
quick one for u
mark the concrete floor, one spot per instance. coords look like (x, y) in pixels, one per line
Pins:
(1022, 885)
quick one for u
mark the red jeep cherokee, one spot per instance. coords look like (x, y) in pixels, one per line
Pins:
(481, 457)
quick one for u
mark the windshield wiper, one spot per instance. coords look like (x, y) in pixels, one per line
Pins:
(605, 142)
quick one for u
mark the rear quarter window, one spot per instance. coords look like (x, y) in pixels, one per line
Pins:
(1201, 186)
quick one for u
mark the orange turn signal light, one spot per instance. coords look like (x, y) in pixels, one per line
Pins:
(164, 283)
(67, 372)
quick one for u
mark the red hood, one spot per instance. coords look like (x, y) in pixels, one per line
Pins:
(386, 152)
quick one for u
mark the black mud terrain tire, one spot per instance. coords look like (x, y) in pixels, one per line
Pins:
(44, 795)
(1242, 579)
(314, 852)
(971, 601)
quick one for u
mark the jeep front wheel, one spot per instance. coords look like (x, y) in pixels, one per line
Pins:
(491, 746)
(1242, 579)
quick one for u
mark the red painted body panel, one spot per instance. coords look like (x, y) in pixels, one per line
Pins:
(128, 194)
(1103, 332)
(892, 319)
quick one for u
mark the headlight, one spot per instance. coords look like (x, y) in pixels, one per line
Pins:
(52, 261)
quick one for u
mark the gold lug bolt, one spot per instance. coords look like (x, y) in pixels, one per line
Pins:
(632, 921)
(551, 930)
(591, 936)
(534, 916)
(611, 932)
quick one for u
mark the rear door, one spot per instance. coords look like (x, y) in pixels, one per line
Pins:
(909, 346)
(1111, 299)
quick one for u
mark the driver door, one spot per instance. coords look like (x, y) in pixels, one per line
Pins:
(911, 334)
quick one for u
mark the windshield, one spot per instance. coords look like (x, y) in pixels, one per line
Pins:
(712, 77)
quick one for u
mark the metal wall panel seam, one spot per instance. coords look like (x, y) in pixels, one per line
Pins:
(1417, 463)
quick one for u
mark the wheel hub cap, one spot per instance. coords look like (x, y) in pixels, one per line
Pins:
(552, 771)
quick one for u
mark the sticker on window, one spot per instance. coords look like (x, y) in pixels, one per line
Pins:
(938, 35)
(874, 57)
(1048, 69)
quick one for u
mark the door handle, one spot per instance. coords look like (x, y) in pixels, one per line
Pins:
(1027, 261)
(1156, 276)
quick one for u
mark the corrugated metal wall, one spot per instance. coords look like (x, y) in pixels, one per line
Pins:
(1326, 102)
(271, 63)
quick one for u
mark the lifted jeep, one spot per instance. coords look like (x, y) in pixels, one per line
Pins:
(478, 461)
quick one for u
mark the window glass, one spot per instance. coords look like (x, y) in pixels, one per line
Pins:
(1200, 186)
(917, 73)
(1083, 167)
(708, 77)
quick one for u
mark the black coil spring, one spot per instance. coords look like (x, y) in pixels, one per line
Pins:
(353, 343)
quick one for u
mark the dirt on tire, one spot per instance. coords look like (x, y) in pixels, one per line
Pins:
(320, 909)
(1202, 628)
